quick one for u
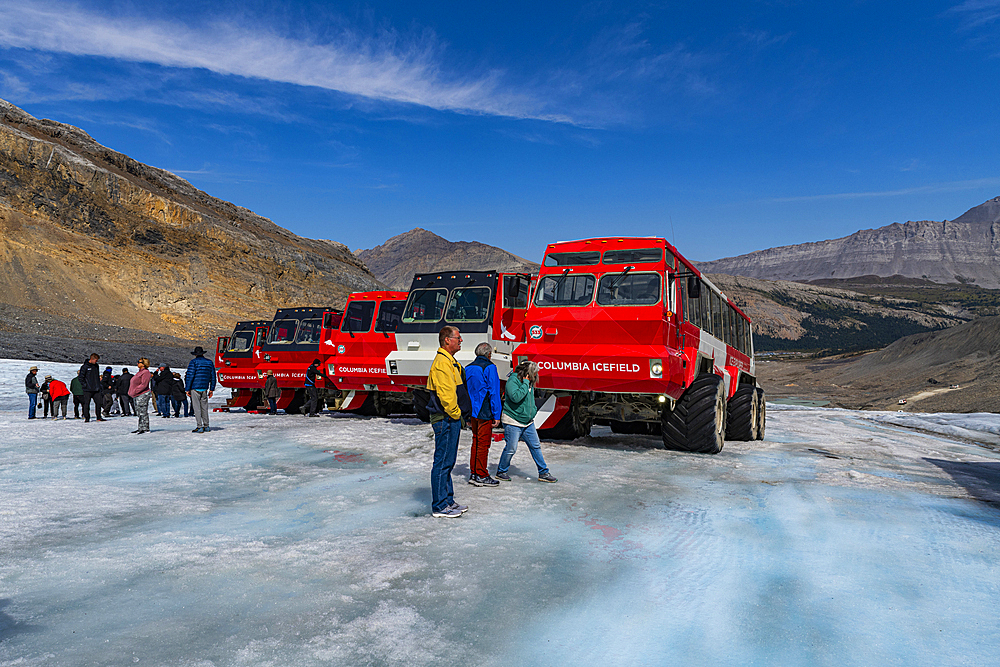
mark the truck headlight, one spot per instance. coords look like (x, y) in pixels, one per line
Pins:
(655, 368)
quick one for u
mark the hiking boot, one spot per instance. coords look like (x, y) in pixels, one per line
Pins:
(447, 513)
(547, 477)
(475, 480)
(488, 481)
(461, 509)
(502, 475)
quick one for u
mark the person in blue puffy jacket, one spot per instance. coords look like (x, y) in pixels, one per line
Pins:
(483, 381)
(200, 385)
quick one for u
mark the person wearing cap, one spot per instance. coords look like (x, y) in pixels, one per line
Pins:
(59, 395)
(271, 392)
(107, 391)
(31, 388)
(200, 386)
(90, 378)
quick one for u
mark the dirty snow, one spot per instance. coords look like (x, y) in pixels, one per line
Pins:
(844, 538)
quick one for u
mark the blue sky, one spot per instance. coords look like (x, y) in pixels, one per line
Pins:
(724, 127)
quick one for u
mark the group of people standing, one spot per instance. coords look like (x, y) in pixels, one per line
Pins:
(134, 392)
(472, 396)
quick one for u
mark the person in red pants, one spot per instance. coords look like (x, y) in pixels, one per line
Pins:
(484, 391)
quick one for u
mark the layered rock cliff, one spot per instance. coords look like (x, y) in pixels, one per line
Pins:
(420, 251)
(966, 249)
(89, 233)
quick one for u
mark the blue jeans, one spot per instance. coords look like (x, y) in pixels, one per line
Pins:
(32, 404)
(446, 434)
(163, 404)
(530, 436)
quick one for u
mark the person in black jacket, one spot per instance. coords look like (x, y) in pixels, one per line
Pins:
(108, 384)
(125, 402)
(90, 377)
(164, 389)
(313, 372)
(31, 387)
(178, 396)
(43, 392)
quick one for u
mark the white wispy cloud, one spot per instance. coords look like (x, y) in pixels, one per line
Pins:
(382, 67)
(931, 188)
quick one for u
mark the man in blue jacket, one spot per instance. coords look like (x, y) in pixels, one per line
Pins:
(200, 385)
(483, 381)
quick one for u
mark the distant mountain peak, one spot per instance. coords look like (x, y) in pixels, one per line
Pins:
(421, 251)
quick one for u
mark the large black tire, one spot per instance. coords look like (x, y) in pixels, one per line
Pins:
(698, 421)
(741, 417)
(761, 412)
(367, 407)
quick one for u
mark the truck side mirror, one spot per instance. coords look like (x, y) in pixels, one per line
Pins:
(694, 287)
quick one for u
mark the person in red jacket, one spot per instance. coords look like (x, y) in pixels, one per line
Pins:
(59, 394)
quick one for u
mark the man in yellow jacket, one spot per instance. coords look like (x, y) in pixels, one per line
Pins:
(446, 384)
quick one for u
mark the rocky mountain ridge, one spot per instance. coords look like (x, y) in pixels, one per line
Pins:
(964, 250)
(89, 233)
(420, 251)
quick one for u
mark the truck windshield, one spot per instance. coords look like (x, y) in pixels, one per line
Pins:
(241, 342)
(634, 289)
(425, 305)
(565, 290)
(572, 258)
(358, 317)
(389, 314)
(283, 332)
(469, 304)
(309, 331)
(637, 256)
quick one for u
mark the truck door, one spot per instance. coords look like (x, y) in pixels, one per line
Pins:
(258, 340)
(511, 307)
(220, 347)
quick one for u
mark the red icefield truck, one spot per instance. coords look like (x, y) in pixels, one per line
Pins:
(236, 358)
(292, 344)
(627, 332)
(353, 352)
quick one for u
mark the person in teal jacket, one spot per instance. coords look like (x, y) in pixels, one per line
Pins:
(518, 420)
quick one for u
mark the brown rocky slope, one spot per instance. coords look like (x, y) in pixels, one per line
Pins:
(91, 234)
(420, 251)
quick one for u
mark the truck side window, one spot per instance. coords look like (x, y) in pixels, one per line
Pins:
(389, 315)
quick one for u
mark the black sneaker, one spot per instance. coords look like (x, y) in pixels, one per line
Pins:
(461, 509)
(475, 480)
(547, 477)
(197, 430)
(502, 475)
(488, 481)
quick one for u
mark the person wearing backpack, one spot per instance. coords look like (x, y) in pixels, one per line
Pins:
(484, 393)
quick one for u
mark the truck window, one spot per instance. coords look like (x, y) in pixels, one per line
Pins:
(705, 308)
(241, 341)
(633, 289)
(358, 317)
(309, 331)
(717, 316)
(469, 304)
(425, 305)
(637, 256)
(565, 290)
(515, 292)
(670, 259)
(389, 315)
(573, 258)
(283, 332)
